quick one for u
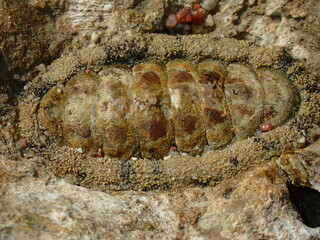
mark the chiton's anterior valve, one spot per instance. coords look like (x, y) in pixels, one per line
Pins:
(147, 110)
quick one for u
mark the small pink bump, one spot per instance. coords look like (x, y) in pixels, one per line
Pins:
(171, 21)
(100, 153)
(264, 127)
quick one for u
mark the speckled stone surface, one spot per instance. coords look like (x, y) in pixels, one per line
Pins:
(245, 201)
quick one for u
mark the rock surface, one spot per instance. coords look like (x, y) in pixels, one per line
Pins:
(49, 26)
(256, 204)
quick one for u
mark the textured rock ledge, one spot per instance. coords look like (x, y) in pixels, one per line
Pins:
(26, 192)
(254, 205)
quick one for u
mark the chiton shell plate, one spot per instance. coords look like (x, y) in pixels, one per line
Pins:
(146, 110)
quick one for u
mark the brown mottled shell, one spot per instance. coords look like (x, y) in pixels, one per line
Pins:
(146, 111)
(245, 98)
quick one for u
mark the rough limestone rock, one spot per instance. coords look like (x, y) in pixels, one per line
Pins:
(278, 198)
(254, 205)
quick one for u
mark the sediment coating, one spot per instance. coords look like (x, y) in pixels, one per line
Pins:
(151, 110)
(214, 109)
(185, 111)
(114, 118)
(245, 98)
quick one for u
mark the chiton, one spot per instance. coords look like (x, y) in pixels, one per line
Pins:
(146, 110)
